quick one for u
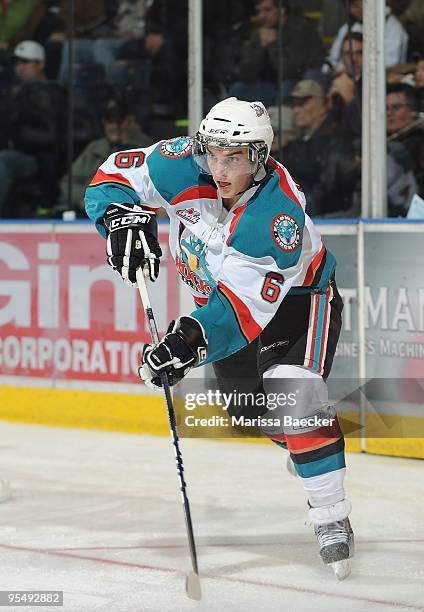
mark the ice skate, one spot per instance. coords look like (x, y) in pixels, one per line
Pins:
(336, 546)
(335, 538)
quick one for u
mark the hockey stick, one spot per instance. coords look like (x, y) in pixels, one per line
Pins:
(192, 579)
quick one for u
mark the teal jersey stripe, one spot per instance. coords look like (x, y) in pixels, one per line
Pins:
(98, 198)
(221, 327)
(327, 273)
(322, 466)
(320, 329)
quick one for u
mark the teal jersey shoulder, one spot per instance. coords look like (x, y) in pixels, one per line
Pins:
(271, 224)
(98, 198)
(172, 168)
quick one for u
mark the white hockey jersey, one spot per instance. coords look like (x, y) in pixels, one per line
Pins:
(239, 264)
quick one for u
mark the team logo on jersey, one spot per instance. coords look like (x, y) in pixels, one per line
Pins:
(176, 147)
(192, 265)
(259, 109)
(286, 233)
(189, 214)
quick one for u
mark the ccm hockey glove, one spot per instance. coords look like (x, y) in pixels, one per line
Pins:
(183, 347)
(132, 241)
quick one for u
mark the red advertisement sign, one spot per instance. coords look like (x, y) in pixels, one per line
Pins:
(65, 314)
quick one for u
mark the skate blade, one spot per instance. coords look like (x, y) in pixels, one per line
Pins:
(342, 568)
(193, 586)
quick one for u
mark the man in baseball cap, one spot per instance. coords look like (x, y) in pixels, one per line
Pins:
(310, 108)
(321, 158)
(308, 89)
(30, 60)
(34, 129)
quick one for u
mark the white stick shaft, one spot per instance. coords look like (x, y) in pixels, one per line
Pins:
(141, 284)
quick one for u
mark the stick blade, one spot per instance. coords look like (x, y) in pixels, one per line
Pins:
(193, 586)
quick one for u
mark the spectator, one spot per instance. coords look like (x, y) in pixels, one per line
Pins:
(129, 21)
(411, 14)
(396, 39)
(346, 90)
(120, 132)
(94, 34)
(35, 120)
(302, 52)
(419, 73)
(321, 160)
(19, 20)
(222, 44)
(166, 43)
(419, 84)
(401, 182)
(92, 19)
(405, 127)
(346, 99)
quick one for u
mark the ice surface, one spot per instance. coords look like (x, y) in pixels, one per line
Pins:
(98, 515)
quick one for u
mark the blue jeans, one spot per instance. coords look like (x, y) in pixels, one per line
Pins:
(14, 165)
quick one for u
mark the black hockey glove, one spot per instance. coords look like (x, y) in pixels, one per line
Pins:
(183, 347)
(132, 241)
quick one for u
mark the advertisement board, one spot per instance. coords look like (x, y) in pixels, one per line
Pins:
(65, 314)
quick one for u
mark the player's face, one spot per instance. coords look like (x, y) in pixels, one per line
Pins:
(399, 113)
(231, 170)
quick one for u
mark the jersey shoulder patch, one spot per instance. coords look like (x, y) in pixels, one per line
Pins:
(286, 232)
(176, 147)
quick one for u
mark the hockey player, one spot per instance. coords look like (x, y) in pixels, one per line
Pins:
(262, 280)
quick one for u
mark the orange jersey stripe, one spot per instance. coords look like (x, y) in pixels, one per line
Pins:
(284, 183)
(313, 444)
(101, 177)
(197, 192)
(313, 266)
(237, 214)
(322, 435)
(200, 301)
(248, 325)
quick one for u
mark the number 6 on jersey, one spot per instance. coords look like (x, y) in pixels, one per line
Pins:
(272, 286)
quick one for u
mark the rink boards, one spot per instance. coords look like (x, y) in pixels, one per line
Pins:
(71, 333)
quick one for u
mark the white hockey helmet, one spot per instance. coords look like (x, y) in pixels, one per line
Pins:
(236, 123)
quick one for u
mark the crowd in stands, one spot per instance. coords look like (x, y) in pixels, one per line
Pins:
(120, 81)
